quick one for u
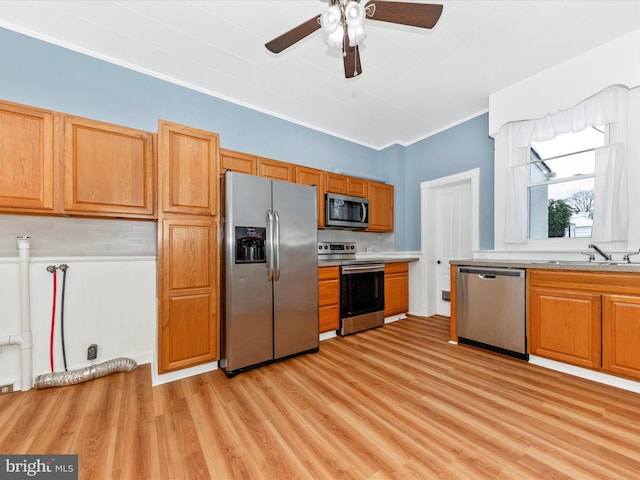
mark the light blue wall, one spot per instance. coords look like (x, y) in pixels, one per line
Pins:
(458, 149)
(43, 75)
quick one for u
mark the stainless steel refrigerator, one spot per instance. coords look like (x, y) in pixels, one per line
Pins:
(270, 308)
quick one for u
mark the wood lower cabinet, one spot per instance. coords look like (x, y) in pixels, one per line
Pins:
(314, 177)
(566, 326)
(188, 272)
(380, 207)
(238, 162)
(621, 335)
(108, 169)
(27, 153)
(588, 319)
(396, 288)
(329, 298)
(276, 170)
(188, 246)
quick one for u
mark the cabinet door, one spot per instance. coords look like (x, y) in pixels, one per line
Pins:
(188, 272)
(312, 176)
(621, 335)
(396, 288)
(380, 207)
(329, 298)
(565, 326)
(276, 170)
(237, 162)
(27, 156)
(189, 169)
(336, 183)
(357, 187)
(108, 169)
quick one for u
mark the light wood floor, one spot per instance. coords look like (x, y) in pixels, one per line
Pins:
(395, 402)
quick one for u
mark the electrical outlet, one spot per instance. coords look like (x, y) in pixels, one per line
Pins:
(6, 388)
(92, 352)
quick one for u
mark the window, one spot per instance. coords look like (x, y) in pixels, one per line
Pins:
(526, 208)
(561, 184)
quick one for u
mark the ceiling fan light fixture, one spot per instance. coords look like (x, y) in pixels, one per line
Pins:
(354, 14)
(330, 20)
(336, 38)
(356, 35)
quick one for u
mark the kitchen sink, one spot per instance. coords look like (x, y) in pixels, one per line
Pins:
(583, 262)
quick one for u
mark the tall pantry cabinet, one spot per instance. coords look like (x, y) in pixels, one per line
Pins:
(188, 266)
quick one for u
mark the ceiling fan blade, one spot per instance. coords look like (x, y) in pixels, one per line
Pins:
(294, 35)
(424, 15)
(351, 58)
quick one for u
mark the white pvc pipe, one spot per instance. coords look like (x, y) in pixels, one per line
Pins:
(26, 345)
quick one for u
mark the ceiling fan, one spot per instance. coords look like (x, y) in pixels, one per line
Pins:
(343, 24)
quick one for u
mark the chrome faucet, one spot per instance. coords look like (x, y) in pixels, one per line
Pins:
(606, 256)
(627, 256)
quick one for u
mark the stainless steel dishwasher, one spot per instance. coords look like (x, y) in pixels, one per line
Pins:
(490, 309)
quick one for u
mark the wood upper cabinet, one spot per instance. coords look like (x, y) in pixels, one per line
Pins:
(357, 187)
(329, 298)
(312, 176)
(380, 207)
(621, 335)
(188, 162)
(276, 170)
(396, 288)
(28, 161)
(335, 183)
(108, 169)
(237, 162)
(345, 185)
(188, 292)
(565, 326)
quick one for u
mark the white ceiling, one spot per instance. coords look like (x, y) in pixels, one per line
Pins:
(415, 82)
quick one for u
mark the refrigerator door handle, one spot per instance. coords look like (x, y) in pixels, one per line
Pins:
(277, 243)
(270, 249)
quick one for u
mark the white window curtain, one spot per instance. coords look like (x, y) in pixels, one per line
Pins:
(608, 107)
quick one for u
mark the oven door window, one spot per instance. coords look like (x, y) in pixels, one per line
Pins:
(361, 293)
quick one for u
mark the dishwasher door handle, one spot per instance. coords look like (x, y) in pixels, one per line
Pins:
(484, 276)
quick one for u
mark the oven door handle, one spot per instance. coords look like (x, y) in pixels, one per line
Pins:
(351, 269)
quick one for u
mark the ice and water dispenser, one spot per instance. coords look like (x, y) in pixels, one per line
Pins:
(250, 244)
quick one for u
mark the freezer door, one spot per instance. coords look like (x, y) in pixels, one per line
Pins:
(248, 326)
(296, 282)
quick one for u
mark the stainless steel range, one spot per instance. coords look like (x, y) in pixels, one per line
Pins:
(361, 287)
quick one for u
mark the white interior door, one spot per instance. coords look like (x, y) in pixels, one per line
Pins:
(450, 212)
(453, 237)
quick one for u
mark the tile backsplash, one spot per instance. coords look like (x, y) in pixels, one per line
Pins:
(65, 237)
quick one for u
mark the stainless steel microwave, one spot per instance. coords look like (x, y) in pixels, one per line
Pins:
(344, 211)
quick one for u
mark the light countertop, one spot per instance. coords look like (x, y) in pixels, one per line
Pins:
(614, 266)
